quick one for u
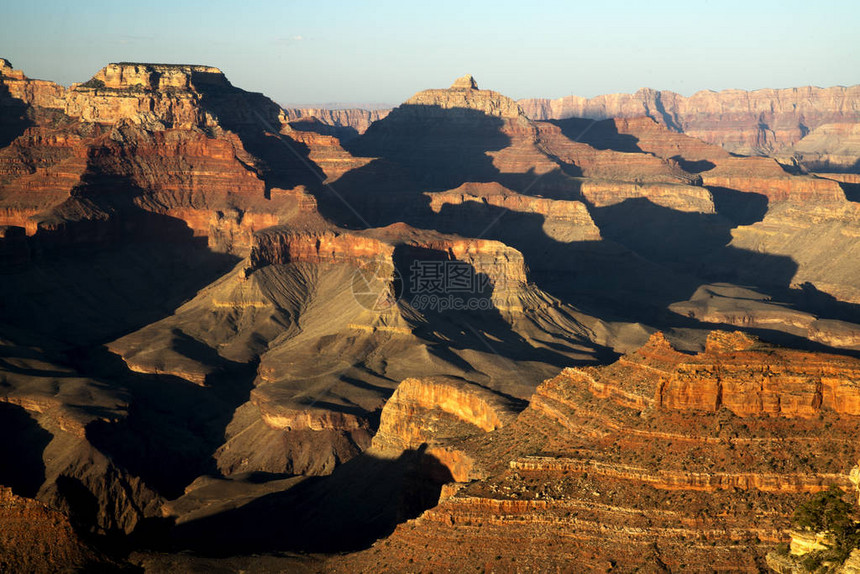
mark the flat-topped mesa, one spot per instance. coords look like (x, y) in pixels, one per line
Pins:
(130, 75)
(503, 267)
(155, 95)
(278, 246)
(464, 93)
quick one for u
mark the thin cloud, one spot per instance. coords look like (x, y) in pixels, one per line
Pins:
(288, 40)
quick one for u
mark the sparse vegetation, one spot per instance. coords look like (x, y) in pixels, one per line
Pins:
(828, 512)
(93, 84)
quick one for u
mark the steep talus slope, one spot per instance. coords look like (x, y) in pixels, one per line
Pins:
(36, 538)
(330, 354)
(642, 463)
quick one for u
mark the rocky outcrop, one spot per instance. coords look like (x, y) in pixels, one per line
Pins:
(686, 198)
(37, 538)
(697, 481)
(278, 246)
(410, 416)
(150, 94)
(175, 140)
(621, 480)
(726, 304)
(756, 122)
(466, 82)
(766, 177)
(14, 84)
(734, 374)
(503, 266)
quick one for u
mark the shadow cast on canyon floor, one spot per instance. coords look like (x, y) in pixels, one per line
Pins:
(416, 149)
(599, 134)
(361, 501)
(21, 465)
(173, 427)
(852, 190)
(649, 256)
(110, 268)
(476, 323)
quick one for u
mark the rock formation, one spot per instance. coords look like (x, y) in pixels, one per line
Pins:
(36, 538)
(603, 471)
(829, 147)
(346, 123)
(177, 136)
(756, 122)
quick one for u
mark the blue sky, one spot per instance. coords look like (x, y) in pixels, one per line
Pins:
(325, 51)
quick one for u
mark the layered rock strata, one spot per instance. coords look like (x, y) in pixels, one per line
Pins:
(760, 121)
(604, 473)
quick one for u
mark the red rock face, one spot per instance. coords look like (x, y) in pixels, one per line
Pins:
(401, 427)
(153, 145)
(622, 478)
(734, 372)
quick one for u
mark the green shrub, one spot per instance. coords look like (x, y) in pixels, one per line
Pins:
(828, 512)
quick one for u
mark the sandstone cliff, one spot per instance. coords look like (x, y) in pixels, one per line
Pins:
(174, 140)
(347, 123)
(602, 476)
(829, 147)
(756, 122)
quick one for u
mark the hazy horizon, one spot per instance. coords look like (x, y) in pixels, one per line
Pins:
(383, 52)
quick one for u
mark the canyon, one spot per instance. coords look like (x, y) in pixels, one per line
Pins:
(591, 331)
(760, 122)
